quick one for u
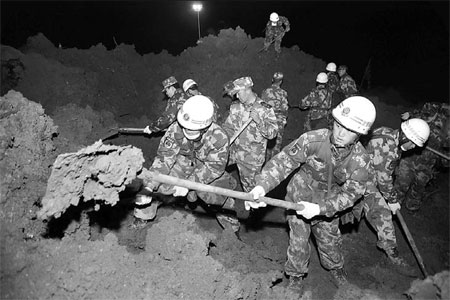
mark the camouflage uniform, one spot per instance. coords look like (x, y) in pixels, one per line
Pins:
(347, 86)
(201, 161)
(170, 113)
(249, 149)
(276, 33)
(333, 87)
(319, 104)
(276, 97)
(385, 154)
(417, 170)
(323, 167)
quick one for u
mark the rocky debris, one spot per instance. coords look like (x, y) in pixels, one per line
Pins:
(432, 287)
(26, 152)
(97, 172)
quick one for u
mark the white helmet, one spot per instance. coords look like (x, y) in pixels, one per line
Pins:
(331, 67)
(322, 78)
(356, 114)
(416, 130)
(188, 83)
(274, 17)
(196, 113)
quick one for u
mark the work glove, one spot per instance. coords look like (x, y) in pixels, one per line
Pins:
(179, 191)
(394, 207)
(147, 130)
(255, 116)
(310, 211)
(257, 192)
(405, 116)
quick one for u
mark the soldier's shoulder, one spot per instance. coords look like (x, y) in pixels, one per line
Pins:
(263, 103)
(315, 136)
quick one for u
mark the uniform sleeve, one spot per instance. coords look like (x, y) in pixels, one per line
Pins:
(384, 163)
(286, 23)
(350, 192)
(285, 105)
(268, 125)
(166, 155)
(168, 116)
(307, 101)
(229, 125)
(283, 164)
(214, 164)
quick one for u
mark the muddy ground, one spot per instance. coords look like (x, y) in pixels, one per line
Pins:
(57, 100)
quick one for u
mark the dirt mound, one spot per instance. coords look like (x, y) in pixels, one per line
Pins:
(27, 151)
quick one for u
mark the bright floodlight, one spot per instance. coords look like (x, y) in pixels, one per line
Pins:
(197, 7)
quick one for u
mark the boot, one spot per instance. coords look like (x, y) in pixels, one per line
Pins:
(296, 283)
(228, 222)
(395, 258)
(340, 276)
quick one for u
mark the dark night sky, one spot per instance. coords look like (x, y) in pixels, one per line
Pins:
(408, 41)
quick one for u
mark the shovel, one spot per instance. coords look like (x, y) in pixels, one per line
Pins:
(119, 131)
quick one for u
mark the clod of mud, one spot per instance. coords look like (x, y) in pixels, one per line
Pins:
(432, 287)
(97, 172)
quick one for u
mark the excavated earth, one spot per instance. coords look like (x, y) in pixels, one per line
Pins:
(59, 101)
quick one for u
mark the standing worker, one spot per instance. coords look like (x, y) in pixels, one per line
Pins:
(193, 148)
(333, 84)
(318, 101)
(381, 201)
(248, 151)
(176, 98)
(334, 169)
(346, 83)
(275, 31)
(278, 99)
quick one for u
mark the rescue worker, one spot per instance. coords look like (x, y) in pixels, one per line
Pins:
(190, 87)
(318, 101)
(416, 171)
(193, 148)
(276, 97)
(275, 31)
(381, 201)
(249, 148)
(333, 84)
(334, 169)
(346, 83)
(176, 98)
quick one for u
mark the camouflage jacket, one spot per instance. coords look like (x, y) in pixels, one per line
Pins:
(385, 154)
(278, 29)
(348, 86)
(318, 102)
(333, 81)
(170, 113)
(277, 98)
(251, 144)
(202, 161)
(436, 114)
(316, 156)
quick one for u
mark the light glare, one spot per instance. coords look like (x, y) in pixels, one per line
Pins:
(197, 7)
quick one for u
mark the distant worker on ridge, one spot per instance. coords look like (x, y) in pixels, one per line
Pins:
(275, 31)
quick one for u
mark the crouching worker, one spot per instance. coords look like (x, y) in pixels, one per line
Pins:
(334, 169)
(194, 148)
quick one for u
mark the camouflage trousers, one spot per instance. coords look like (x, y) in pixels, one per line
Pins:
(413, 175)
(182, 169)
(328, 239)
(379, 216)
(248, 168)
(274, 145)
(275, 38)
